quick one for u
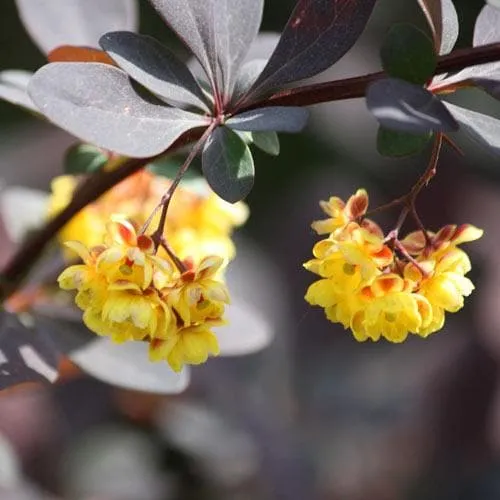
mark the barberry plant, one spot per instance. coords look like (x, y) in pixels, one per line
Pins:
(146, 245)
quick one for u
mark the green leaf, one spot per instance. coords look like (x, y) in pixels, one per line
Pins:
(228, 165)
(169, 165)
(84, 159)
(408, 53)
(395, 144)
(246, 137)
(267, 141)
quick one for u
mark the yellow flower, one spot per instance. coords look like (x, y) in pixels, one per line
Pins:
(382, 293)
(444, 284)
(86, 226)
(128, 293)
(341, 213)
(351, 258)
(115, 285)
(198, 296)
(390, 310)
(189, 345)
(364, 249)
(130, 257)
(85, 278)
(198, 224)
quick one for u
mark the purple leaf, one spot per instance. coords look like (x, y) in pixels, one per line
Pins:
(151, 64)
(123, 365)
(97, 103)
(482, 129)
(75, 22)
(318, 34)
(489, 85)
(218, 32)
(127, 365)
(443, 21)
(247, 76)
(228, 165)
(26, 354)
(13, 88)
(487, 27)
(278, 119)
(399, 105)
(263, 46)
(486, 31)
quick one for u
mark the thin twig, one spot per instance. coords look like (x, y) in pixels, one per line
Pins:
(409, 258)
(178, 262)
(165, 200)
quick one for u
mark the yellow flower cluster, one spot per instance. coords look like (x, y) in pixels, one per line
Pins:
(379, 289)
(199, 223)
(127, 292)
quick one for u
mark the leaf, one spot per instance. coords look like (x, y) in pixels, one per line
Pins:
(263, 46)
(13, 88)
(486, 31)
(489, 85)
(318, 34)
(22, 210)
(84, 159)
(218, 32)
(151, 64)
(399, 105)
(228, 165)
(276, 118)
(72, 53)
(168, 166)
(267, 141)
(487, 27)
(127, 365)
(433, 13)
(408, 53)
(396, 144)
(248, 331)
(75, 22)
(482, 129)
(26, 354)
(247, 76)
(443, 21)
(97, 103)
(451, 27)
(124, 365)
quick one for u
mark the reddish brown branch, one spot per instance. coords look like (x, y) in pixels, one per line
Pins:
(352, 88)
(91, 189)
(98, 184)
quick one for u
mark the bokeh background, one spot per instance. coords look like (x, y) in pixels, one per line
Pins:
(316, 415)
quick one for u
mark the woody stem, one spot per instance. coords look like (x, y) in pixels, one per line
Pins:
(97, 184)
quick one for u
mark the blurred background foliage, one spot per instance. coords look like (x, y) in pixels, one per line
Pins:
(317, 415)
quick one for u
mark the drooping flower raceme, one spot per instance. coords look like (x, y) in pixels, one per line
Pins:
(127, 292)
(131, 291)
(382, 290)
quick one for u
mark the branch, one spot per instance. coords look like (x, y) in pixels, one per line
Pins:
(91, 189)
(351, 88)
(98, 184)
